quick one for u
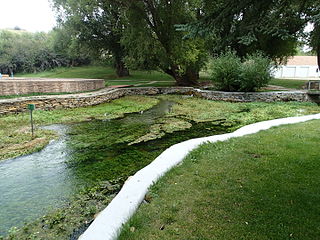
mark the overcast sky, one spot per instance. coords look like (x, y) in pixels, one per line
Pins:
(31, 15)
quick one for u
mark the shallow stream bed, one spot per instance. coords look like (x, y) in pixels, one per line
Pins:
(86, 154)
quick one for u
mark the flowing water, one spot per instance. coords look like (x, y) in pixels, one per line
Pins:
(85, 153)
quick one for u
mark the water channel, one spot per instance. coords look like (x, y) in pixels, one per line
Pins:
(85, 153)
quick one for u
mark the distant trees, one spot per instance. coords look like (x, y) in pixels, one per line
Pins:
(22, 51)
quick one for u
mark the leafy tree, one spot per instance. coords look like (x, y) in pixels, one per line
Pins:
(152, 40)
(313, 16)
(68, 47)
(245, 26)
(21, 51)
(96, 24)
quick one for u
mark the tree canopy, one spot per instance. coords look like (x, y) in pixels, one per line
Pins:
(152, 40)
(172, 36)
(274, 27)
(96, 24)
(22, 51)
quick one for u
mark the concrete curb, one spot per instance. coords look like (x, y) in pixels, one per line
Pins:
(109, 222)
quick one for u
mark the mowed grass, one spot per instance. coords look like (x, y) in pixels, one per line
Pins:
(100, 72)
(143, 78)
(288, 83)
(262, 186)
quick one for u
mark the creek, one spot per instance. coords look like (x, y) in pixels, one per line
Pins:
(85, 154)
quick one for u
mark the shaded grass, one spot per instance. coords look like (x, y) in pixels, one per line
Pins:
(74, 72)
(100, 72)
(289, 83)
(107, 73)
(15, 136)
(262, 186)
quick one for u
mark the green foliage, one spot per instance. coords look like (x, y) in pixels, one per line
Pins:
(255, 72)
(152, 41)
(25, 52)
(65, 44)
(244, 26)
(229, 73)
(96, 26)
(22, 51)
(226, 71)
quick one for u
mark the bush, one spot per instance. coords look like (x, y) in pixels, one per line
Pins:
(229, 73)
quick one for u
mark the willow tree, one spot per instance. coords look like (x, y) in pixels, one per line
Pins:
(97, 24)
(152, 40)
(246, 26)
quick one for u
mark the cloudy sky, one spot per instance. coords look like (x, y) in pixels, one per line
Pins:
(31, 15)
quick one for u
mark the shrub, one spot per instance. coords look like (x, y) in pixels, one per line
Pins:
(229, 73)
(225, 72)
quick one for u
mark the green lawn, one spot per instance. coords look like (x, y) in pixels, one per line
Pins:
(288, 83)
(100, 72)
(263, 186)
(143, 78)
(136, 77)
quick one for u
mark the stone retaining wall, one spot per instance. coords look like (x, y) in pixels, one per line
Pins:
(283, 96)
(18, 86)
(94, 98)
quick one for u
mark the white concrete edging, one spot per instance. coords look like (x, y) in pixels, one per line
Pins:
(109, 222)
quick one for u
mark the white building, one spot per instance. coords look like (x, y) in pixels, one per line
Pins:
(298, 67)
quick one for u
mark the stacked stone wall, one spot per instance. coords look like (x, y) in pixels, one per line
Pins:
(94, 98)
(27, 86)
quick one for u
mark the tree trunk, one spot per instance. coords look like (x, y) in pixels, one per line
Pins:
(186, 79)
(316, 43)
(318, 57)
(121, 69)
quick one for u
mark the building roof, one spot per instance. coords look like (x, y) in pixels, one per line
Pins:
(302, 60)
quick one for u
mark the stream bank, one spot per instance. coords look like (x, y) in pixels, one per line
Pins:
(101, 154)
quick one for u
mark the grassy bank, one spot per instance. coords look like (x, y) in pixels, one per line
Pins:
(263, 186)
(18, 141)
(187, 113)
